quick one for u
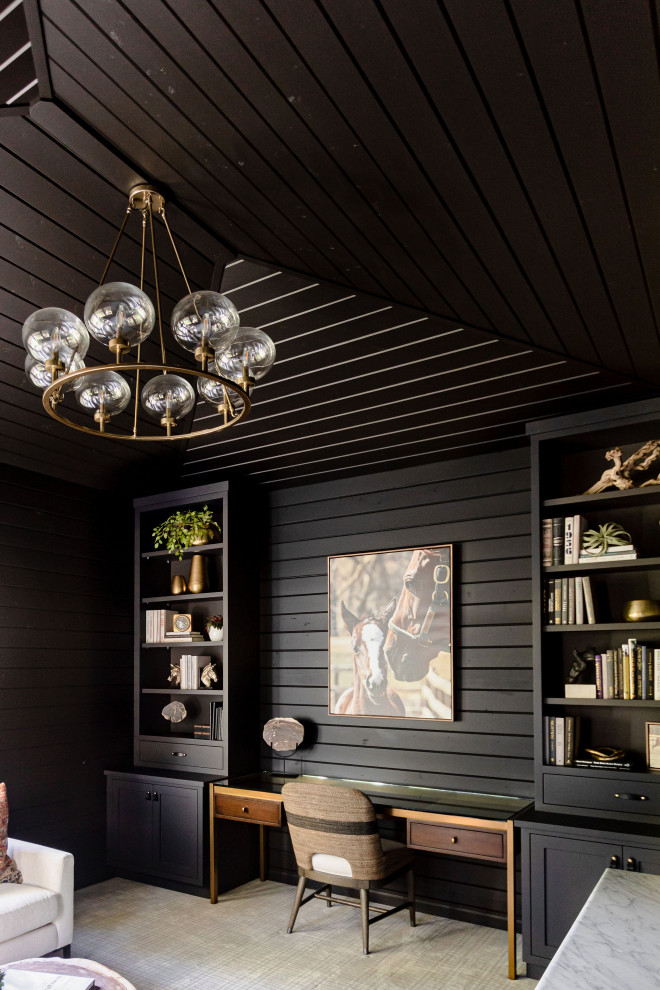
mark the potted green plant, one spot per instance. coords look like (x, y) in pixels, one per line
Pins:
(214, 625)
(186, 528)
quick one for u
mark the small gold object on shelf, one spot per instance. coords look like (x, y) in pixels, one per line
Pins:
(178, 585)
(175, 674)
(196, 576)
(641, 610)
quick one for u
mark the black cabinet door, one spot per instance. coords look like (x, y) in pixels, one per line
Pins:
(130, 823)
(564, 871)
(177, 832)
(641, 859)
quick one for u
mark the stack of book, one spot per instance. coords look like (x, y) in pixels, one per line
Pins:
(201, 731)
(568, 601)
(624, 552)
(628, 672)
(624, 762)
(183, 637)
(561, 739)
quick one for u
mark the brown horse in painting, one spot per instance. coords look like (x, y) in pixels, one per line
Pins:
(420, 627)
(370, 694)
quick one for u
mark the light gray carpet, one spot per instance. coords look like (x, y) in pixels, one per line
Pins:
(162, 940)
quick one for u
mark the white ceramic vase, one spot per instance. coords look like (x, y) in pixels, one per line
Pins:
(215, 634)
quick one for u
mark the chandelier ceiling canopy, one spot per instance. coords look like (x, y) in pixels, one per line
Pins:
(230, 358)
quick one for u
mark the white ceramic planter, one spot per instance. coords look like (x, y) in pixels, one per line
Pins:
(215, 635)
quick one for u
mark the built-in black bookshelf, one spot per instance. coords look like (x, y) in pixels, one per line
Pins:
(567, 459)
(222, 709)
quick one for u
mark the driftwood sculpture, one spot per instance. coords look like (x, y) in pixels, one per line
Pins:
(626, 474)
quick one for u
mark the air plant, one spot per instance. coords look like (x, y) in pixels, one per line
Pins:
(611, 534)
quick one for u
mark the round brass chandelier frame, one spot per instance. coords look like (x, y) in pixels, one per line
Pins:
(53, 393)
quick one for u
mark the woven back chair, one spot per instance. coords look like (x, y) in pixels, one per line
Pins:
(335, 839)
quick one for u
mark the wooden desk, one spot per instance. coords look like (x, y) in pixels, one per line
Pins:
(455, 823)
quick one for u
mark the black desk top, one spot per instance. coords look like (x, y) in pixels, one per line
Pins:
(466, 804)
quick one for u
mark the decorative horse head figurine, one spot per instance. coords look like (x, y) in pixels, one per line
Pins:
(208, 675)
(175, 674)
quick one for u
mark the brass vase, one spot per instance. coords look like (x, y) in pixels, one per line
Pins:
(196, 576)
(178, 585)
(641, 610)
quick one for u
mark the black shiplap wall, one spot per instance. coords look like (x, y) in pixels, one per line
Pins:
(65, 659)
(482, 506)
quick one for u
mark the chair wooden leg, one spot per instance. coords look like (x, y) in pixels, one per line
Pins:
(329, 903)
(411, 897)
(364, 910)
(66, 951)
(296, 903)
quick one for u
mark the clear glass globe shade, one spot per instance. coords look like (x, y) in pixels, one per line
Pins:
(204, 316)
(250, 348)
(214, 393)
(119, 309)
(168, 394)
(106, 388)
(53, 329)
(40, 376)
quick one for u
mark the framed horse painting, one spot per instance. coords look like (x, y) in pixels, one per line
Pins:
(390, 633)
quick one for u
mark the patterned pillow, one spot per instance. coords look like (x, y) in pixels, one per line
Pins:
(9, 872)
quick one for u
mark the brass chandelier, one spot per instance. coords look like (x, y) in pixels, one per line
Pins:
(120, 315)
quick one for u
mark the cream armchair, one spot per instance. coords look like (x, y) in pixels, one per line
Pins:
(36, 916)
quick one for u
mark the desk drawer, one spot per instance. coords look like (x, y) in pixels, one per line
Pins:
(248, 809)
(181, 753)
(479, 843)
(635, 797)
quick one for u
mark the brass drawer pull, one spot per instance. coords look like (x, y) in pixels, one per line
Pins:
(245, 810)
(178, 754)
(632, 797)
(454, 839)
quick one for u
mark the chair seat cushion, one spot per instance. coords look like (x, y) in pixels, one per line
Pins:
(26, 907)
(336, 865)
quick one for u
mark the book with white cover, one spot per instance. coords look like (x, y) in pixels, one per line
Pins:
(24, 979)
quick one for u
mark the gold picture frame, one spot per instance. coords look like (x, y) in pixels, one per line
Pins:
(653, 745)
(390, 633)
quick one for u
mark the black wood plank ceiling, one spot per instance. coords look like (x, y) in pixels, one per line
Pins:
(445, 212)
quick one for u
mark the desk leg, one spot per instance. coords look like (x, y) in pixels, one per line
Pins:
(511, 898)
(213, 869)
(262, 853)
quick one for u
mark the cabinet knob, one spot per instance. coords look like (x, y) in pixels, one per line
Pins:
(155, 795)
(245, 810)
(177, 754)
(453, 839)
(148, 797)
(614, 863)
(630, 863)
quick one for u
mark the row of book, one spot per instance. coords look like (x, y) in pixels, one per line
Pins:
(190, 668)
(628, 672)
(561, 739)
(159, 628)
(561, 542)
(216, 720)
(213, 728)
(568, 601)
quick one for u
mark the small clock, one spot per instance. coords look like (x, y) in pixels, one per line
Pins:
(182, 622)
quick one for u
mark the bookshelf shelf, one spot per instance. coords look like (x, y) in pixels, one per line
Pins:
(173, 599)
(197, 691)
(632, 627)
(633, 497)
(207, 644)
(601, 703)
(642, 564)
(202, 548)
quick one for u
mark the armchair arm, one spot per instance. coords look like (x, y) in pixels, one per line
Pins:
(43, 866)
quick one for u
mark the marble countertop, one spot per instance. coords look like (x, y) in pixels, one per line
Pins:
(614, 943)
